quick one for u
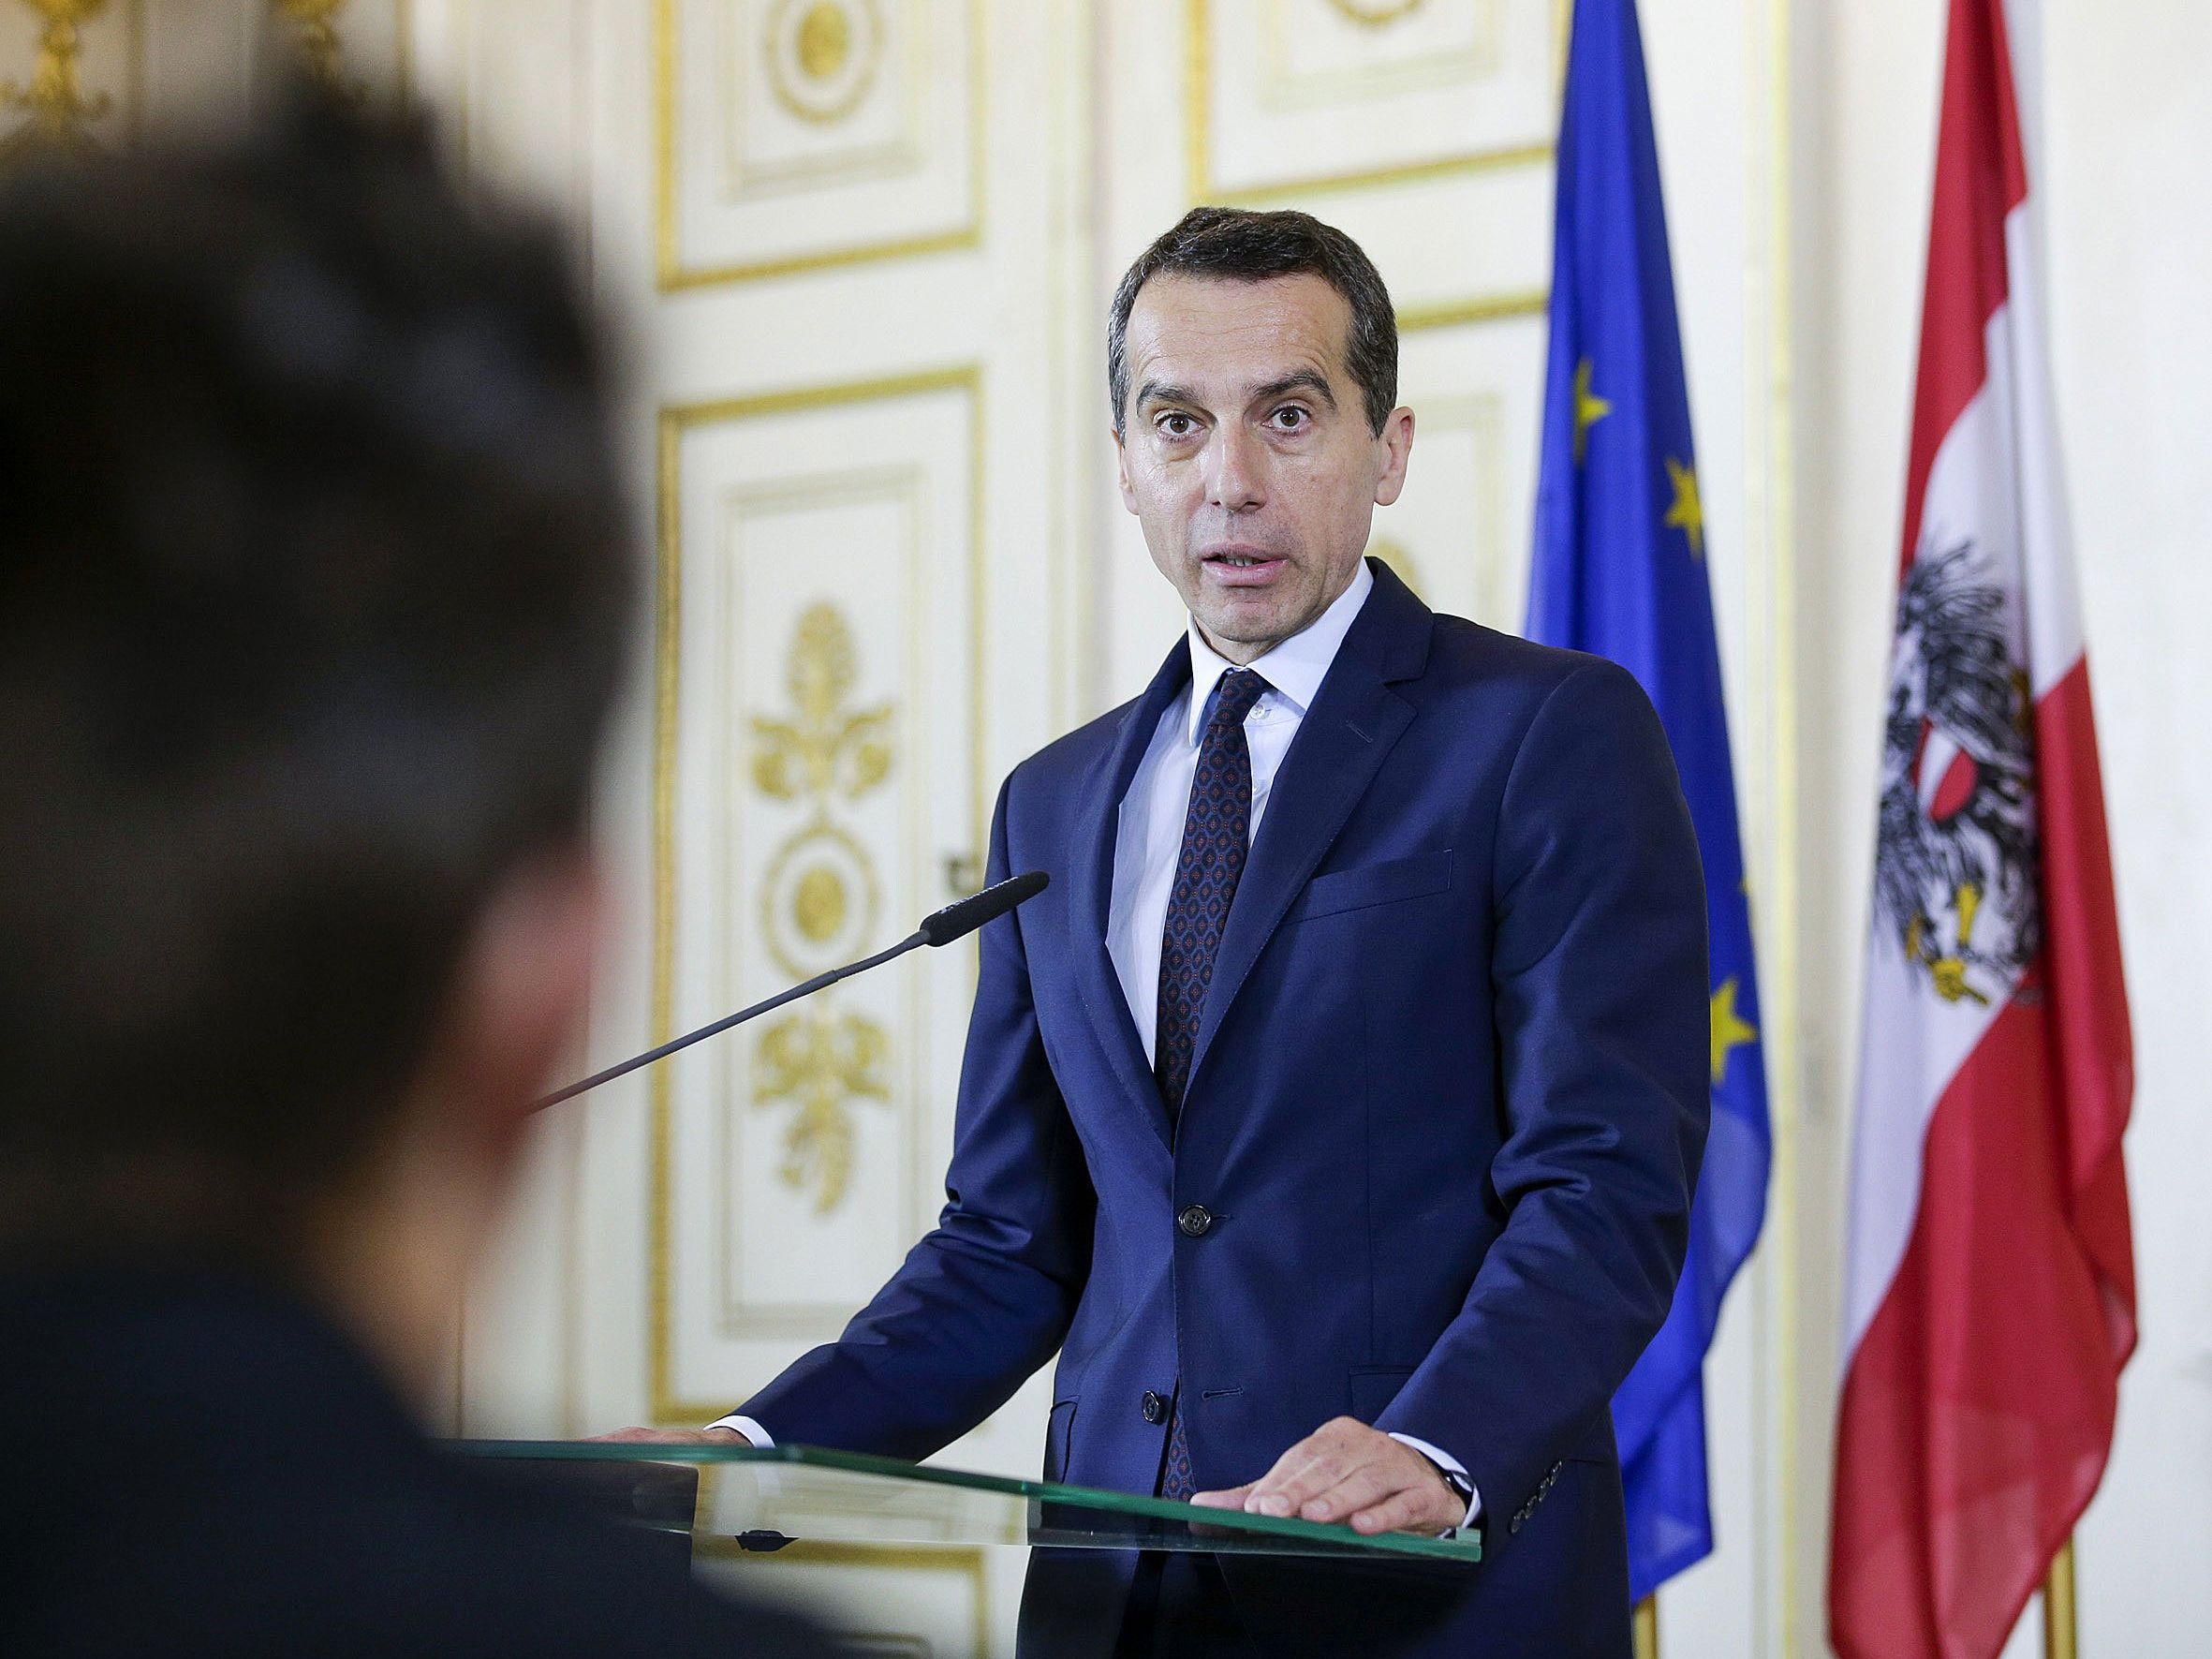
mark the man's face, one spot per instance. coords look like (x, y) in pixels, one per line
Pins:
(1246, 453)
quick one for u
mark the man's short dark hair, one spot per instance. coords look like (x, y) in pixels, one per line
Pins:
(314, 576)
(1237, 244)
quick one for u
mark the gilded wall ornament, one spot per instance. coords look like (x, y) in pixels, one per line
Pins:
(822, 56)
(821, 900)
(820, 1062)
(825, 40)
(1375, 13)
(825, 753)
(56, 106)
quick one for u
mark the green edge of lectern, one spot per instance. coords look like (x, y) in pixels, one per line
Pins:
(1464, 1546)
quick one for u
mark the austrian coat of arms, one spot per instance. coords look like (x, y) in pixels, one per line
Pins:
(1956, 860)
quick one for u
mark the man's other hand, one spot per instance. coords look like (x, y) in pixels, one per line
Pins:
(1344, 1471)
(675, 1437)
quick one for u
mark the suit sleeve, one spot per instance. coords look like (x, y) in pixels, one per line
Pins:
(1597, 967)
(985, 1299)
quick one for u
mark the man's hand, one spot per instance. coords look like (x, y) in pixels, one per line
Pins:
(675, 1437)
(1344, 1471)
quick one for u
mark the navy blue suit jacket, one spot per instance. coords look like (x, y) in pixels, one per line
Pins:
(1446, 1106)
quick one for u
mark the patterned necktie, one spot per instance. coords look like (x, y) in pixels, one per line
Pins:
(1216, 834)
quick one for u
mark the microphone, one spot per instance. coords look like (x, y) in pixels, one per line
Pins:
(957, 921)
(940, 927)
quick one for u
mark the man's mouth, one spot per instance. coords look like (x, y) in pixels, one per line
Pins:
(1244, 567)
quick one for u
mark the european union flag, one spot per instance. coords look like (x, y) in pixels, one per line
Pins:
(1620, 571)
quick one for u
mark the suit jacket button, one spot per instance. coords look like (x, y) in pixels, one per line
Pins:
(1195, 1221)
(1155, 1409)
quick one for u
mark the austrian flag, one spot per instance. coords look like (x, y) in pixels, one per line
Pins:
(1990, 1300)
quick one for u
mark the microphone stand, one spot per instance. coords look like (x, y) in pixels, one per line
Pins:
(954, 922)
(821, 982)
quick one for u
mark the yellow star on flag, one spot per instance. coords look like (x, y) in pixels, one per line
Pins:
(1730, 1032)
(1590, 408)
(1687, 513)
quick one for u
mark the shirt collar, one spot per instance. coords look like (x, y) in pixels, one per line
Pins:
(1294, 669)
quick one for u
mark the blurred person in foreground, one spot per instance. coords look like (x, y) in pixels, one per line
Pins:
(314, 580)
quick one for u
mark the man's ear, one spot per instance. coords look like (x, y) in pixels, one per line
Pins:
(1121, 471)
(1396, 440)
(517, 1013)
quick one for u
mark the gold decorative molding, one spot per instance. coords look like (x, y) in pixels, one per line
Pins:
(827, 755)
(54, 103)
(1376, 14)
(670, 272)
(1475, 308)
(823, 1062)
(819, 900)
(675, 420)
(835, 46)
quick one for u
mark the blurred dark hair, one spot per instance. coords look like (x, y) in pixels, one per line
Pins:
(314, 582)
(1238, 244)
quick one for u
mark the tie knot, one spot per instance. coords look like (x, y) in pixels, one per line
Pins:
(1240, 688)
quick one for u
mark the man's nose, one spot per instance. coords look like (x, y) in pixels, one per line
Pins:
(1234, 470)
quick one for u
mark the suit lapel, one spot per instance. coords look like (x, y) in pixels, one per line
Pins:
(1098, 825)
(1356, 721)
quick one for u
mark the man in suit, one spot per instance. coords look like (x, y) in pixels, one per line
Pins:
(1337, 1112)
(313, 587)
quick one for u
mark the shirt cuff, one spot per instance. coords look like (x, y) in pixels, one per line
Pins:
(1444, 1460)
(754, 1433)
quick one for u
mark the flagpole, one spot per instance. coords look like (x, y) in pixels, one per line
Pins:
(1647, 1629)
(2061, 1632)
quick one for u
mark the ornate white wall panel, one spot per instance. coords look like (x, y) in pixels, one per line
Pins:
(1289, 95)
(818, 766)
(794, 134)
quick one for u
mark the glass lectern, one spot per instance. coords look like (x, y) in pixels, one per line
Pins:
(766, 1499)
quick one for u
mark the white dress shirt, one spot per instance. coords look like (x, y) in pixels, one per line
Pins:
(1149, 838)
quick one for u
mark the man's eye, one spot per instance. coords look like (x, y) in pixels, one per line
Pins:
(1290, 418)
(1177, 425)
